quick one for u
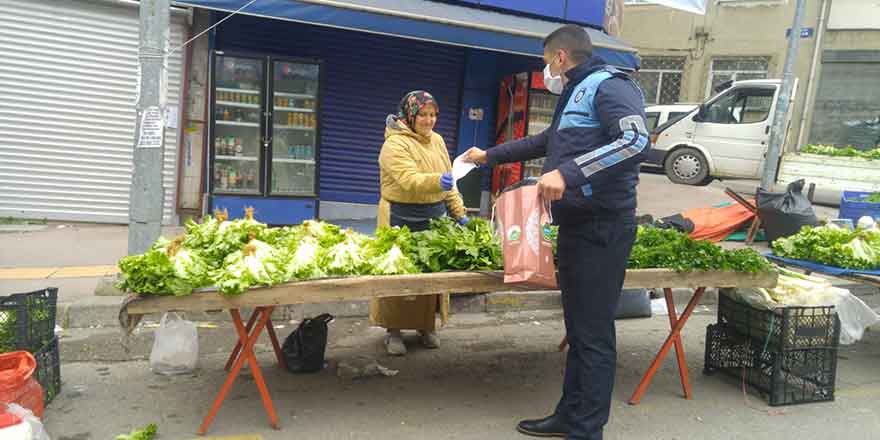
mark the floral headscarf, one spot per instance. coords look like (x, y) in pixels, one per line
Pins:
(412, 104)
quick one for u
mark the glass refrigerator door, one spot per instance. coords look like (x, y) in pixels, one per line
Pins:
(237, 111)
(294, 128)
(541, 108)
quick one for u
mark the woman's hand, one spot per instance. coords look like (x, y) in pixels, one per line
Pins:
(476, 155)
(446, 182)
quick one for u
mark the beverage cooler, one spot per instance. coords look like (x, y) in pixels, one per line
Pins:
(525, 108)
(264, 149)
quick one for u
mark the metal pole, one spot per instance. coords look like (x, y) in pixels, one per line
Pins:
(147, 194)
(810, 96)
(777, 131)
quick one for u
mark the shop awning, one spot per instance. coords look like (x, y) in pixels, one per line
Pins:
(425, 20)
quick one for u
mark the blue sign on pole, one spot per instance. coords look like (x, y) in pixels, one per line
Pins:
(806, 32)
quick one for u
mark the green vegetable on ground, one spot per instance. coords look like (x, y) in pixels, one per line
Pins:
(146, 433)
(849, 151)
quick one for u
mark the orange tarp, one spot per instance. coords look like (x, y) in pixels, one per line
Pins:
(715, 224)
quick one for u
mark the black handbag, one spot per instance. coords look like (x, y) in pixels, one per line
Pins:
(304, 347)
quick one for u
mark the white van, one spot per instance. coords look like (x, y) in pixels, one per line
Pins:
(661, 114)
(725, 137)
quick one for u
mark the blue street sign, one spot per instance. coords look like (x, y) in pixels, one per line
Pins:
(806, 32)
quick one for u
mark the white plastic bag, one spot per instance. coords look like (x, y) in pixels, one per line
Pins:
(33, 429)
(855, 316)
(175, 347)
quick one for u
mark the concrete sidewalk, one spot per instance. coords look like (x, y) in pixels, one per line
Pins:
(491, 370)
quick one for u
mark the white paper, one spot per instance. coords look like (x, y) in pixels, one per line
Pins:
(152, 128)
(172, 116)
(460, 168)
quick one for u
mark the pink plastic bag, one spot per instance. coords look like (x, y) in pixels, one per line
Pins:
(524, 223)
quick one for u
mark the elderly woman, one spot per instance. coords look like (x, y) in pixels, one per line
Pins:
(416, 187)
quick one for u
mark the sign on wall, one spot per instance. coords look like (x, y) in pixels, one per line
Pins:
(854, 14)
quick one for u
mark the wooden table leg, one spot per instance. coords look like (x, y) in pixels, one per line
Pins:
(237, 349)
(679, 347)
(247, 354)
(674, 334)
(753, 230)
(279, 355)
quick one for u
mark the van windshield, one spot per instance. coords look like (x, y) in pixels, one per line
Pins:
(673, 118)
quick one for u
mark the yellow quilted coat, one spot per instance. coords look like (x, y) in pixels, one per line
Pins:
(410, 167)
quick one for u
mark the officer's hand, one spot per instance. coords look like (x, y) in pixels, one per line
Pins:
(551, 185)
(446, 182)
(463, 221)
(476, 155)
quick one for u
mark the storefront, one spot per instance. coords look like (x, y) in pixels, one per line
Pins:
(300, 92)
(68, 85)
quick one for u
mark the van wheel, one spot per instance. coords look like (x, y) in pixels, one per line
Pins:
(687, 166)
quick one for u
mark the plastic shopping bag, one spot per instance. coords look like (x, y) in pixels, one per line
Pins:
(524, 223)
(304, 348)
(31, 427)
(175, 347)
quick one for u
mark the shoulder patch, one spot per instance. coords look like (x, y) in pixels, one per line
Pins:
(580, 95)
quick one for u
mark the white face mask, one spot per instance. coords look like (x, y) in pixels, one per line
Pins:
(553, 83)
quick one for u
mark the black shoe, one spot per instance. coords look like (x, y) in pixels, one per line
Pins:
(552, 426)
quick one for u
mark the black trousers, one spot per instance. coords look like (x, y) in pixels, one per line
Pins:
(592, 264)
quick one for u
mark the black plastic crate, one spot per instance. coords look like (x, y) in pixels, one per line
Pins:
(48, 371)
(27, 320)
(788, 377)
(784, 328)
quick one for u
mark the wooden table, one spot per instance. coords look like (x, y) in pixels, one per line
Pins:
(264, 301)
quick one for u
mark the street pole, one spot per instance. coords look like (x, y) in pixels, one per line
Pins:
(147, 194)
(783, 103)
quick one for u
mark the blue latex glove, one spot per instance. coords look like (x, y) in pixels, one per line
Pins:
(446, 182)
(463, 221)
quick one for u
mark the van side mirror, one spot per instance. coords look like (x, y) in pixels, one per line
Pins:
(701, 112)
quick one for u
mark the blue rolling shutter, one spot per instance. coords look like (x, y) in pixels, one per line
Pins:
(364, 78)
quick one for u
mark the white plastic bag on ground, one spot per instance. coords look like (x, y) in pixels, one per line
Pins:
(855, 316)
(32, 429)
(175, 347)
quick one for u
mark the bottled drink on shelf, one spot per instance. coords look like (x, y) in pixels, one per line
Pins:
(226, 114)
(238, 147)
(224, 182)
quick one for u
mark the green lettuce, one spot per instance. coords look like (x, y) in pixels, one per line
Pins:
(257, 264)
(393, 262)
(303, 263)
(345, 257)
(833, 246)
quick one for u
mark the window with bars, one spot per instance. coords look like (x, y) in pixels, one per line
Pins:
(736, 69)
(660, 79)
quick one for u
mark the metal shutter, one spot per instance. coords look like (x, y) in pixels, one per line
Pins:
(68, 81)
(364, 78)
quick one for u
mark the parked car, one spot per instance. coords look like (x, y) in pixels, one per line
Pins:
(725, 137)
